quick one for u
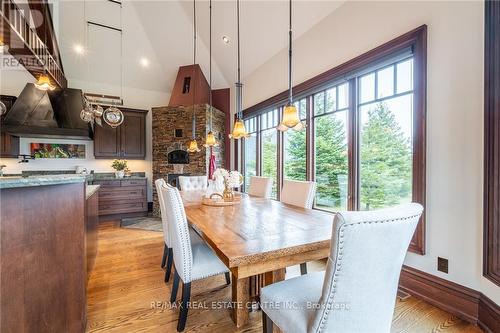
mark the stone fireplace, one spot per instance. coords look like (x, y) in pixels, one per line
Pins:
(172, 130)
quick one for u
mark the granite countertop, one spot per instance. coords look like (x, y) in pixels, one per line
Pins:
(17, 181)
(91, 189)
(114, 178)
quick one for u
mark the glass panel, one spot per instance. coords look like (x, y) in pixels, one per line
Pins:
(294, 154)
(269, 157)
(404, 75)
(385, 82)
(303, 109)
(263, 120)
(343, 101)
(250, 159)
(331, 161)
(331, 100)
(386, 153)
(367, 88)
(319, 103)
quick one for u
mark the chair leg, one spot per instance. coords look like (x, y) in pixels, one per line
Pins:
(267, 323)
(164, 258)
(303, 269)
(186, 295)
(175, 287)
(169, 264)
(228, 278)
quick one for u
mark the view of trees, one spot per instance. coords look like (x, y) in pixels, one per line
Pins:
(386, 160)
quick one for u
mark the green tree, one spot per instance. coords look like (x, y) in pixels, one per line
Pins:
(269, 158)
(385, 159)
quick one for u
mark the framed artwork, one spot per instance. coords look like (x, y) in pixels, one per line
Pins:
(57, 150)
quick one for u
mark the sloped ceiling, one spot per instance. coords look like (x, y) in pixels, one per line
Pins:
(161, 31)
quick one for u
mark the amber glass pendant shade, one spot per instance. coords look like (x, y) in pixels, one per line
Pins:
(43, 83)
(239, 130)
(210, 141)
(193, 146)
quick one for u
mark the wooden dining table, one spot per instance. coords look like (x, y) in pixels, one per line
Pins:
(257, 239)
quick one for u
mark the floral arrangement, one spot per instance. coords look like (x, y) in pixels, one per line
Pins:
(230, 179)
(119, 165)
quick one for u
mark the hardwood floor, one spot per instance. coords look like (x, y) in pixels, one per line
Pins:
(126, 293)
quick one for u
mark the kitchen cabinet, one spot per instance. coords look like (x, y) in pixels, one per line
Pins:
(122, 196)
(91, 224)
(9, 144)
(127, 141)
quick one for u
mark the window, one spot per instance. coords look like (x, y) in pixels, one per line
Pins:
(269, 155)
(250, 152)
(364, 141)
(294, 148)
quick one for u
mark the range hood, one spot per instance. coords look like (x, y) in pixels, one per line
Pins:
(55, 114)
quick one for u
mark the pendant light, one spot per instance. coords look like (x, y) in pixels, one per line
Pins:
(43, 82)
(193, 144)
(291, 117)
(239, 130)
(210, 140)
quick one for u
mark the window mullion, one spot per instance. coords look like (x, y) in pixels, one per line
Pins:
(353, 147)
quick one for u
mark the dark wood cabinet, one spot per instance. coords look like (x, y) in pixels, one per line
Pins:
(9, 144)
(127, 141)
(122, 196)
(91, 224)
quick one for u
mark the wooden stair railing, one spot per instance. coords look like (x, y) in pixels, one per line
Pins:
(27, 46)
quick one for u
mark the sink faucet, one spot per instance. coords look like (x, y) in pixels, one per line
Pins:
(1, 169)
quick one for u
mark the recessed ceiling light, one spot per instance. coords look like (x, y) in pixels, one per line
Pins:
(78, 49)
(144, 62)
(226, 39)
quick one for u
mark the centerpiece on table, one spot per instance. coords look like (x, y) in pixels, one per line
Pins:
(120, 166)
(223, 185)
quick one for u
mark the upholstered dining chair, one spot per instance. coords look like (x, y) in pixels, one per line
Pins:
(357, 293)
(167, 259)
(192, 261)
(301, 194)
(193, 183)
(260, 186)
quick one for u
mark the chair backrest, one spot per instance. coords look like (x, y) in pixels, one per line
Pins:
(362, 274)
(260, 186)
(159, 183)
(298, 193)
(193, 183)
(179, 232)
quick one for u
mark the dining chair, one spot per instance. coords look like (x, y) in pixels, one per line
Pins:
(260, 187)
(357, 293)
(301, 194)
(166, 261)
(192, 261)
(193, 183)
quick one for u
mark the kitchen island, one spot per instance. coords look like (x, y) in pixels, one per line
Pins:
(43, 253)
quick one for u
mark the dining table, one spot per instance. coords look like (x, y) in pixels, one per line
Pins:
(257, 238)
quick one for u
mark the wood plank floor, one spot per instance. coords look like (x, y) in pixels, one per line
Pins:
(126, 293)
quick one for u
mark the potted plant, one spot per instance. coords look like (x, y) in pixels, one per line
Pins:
(228, 181)
(119, 166)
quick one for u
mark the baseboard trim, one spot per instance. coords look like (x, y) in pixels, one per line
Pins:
(458, 300)
(488, 315)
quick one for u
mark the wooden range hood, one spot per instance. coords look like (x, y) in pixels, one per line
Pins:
(190, 86)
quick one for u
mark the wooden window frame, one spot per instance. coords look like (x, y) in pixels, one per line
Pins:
(491, 230)
(417, 41)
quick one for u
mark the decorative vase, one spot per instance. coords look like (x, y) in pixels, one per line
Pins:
(228, 193)
(119, 173)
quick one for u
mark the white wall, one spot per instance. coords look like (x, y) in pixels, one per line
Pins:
(133, 98)
(454, 106)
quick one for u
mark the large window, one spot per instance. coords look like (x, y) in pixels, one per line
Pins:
(250, 151)
(364, 141)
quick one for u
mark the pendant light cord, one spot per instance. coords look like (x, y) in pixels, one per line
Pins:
(238, 84)
(290, 58)
(194, 64)
(210, 65)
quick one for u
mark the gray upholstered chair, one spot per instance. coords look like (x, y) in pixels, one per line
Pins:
(167, 258)
(260, 187)
(193, 183)
(357, 293)
(192, 261)
(301, 194)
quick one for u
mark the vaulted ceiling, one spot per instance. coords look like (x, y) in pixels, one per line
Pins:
(162, 32)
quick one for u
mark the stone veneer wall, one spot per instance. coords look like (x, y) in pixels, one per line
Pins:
(164, 122)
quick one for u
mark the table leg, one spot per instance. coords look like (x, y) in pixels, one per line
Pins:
(241, 298)
(274, 276)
